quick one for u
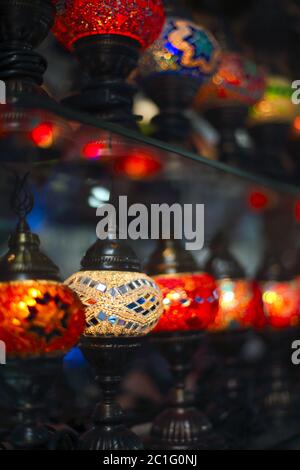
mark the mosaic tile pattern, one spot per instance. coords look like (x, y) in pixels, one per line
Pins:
(39, 318)
(183, 48)
(118, 303)
(141, 20)
(237, 81)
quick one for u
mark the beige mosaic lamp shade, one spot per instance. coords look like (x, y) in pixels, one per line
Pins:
(117, 303)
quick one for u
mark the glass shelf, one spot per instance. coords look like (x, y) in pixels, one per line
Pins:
(78, 162)
(39, 109)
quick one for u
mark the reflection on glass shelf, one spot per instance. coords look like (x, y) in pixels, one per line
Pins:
(39, 130)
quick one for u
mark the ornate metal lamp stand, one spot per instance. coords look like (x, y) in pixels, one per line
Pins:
(181, 426)
(109, 357)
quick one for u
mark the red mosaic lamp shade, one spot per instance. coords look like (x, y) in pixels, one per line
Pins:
(281, 300)
(141, 20)
(238, 81)
(39, 318)
(190, 302)
(240, 305)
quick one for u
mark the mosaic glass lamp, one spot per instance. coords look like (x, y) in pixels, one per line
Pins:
(119, 300)
(238, 81)
(39, 316)
(107, 38)
(40, 320)
(240, 309)
(190, 298)
(226, 98)
(275, 105)
(280, 294)
(190, 306)
(240, 304)
(269, 124)
(32, 134)
(172, 70)
(122, 304)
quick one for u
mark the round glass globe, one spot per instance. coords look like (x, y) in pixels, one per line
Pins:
(281, 300)
(238, 81)
(183, 48)
(39, 318)
(117, 303)
(190, 302)
(240, 305)
(141, 20)
(275, 105)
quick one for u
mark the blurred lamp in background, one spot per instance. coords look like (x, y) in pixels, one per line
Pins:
(226, 98)
(270, 122)
(240, 303)
(172, 70)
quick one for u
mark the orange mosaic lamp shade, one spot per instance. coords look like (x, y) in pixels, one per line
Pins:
(240, 305)
(281, 301)
(39, 318)
(190, 302)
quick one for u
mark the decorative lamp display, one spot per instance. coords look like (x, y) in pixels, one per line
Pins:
(190, 306)
(118, 302)
(107, 38)
(226, 98)
(280, 294)
(240, 304)
(190, 299)
(269, 124)
(275, 105)
(40, 320)
(122, 304)
(238, 81)
(172, 70)
(39, 316)
(240, 309)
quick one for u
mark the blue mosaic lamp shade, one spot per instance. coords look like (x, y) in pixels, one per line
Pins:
(184, 49)
(117, 303)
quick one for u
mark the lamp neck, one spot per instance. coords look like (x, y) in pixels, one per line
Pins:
(107, 62)
(24, 24)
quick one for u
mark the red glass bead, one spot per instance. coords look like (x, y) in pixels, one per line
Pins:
(141, 20)
(39, 318)
(190, 302)
(240, 305)
(281, 302)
